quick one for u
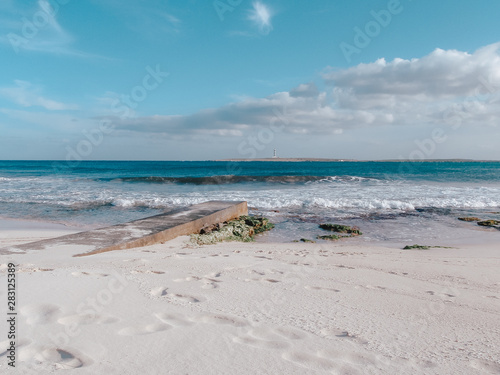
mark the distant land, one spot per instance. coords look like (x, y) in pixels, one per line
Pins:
(361, 161)
(288, 159)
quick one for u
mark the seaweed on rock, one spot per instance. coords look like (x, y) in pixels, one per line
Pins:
(353, 231)
(242, 229)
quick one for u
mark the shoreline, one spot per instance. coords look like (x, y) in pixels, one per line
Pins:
(462, 234)
(270, 159)
(277, 159)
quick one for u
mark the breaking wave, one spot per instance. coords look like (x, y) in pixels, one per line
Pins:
(236, 179)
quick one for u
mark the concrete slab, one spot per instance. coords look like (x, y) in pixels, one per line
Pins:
(143, 232)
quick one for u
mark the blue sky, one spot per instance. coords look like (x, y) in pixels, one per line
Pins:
(170, 80)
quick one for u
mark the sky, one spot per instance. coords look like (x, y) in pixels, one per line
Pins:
(204, 80)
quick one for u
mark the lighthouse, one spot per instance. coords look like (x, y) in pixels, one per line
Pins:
(274, 155)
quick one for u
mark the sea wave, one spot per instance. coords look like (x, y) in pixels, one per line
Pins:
(273, 202)
(236, 179)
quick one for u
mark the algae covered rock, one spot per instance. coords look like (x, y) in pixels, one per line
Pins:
(307, 240)
(488, 223)
(242, 229)
(331, 237)
(469, 218)
(419, 247)
(424, 247)
(259, 224)
(353, 231)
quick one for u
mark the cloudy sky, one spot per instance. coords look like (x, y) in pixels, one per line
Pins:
(198, 79)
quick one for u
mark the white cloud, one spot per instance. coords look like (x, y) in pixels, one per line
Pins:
(443, 88)
(26, 94)
(438, 88)
(261, 16)
(305, 90)
(439, 75)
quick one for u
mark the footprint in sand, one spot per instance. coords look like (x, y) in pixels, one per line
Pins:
(363, 360)
(310, 287)
(336, 333)
(162, 291)
(487, 367)
(310, 361)
(261, 344)
(375, 287)
(159, 291)
(269, 338)
(144, 329)
(176, 320)
(33, 269)
(442, 295)
(332, 332)
(345, 361)
(185, 298)
(221, 319)
(61, 359)
(93, 274)
(40, 313)
(261, 273)
(85, 319)
(208, 283)
(135, 272)
(189, 278)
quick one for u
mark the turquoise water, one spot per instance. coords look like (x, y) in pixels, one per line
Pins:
(296, 195)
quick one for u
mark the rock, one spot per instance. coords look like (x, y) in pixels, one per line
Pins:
(331, 237)
(242, 229)
(419, 247)
(354, 231)
(488, 223)
(210, 228)
(306, 240)
(469, 218)
(424, 247)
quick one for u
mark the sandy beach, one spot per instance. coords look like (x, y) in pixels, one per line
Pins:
(254, 308)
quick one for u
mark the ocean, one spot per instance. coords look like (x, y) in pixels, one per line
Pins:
(395, 202)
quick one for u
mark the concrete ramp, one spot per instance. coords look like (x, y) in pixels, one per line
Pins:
(143, 232)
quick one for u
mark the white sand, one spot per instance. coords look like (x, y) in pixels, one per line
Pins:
(238, 308)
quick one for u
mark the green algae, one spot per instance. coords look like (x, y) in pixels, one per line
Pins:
(353, 231)
(242, 229)
(488, 223)
(469, 218)
(307, 240)
(424, 247)
(331, 237)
